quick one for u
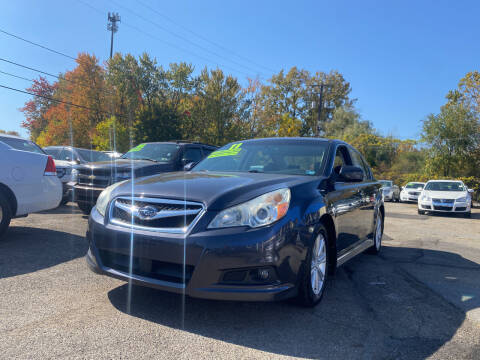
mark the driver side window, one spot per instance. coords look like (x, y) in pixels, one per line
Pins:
(341, 159)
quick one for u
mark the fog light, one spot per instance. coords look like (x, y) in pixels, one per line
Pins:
(263, 274)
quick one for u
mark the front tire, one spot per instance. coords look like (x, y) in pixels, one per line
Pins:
(467, 214)
(85, 207)
(312, 285)
(377, 235)
(5, 215)
(421, 212)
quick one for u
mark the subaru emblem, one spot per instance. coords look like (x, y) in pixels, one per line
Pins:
(147, 212)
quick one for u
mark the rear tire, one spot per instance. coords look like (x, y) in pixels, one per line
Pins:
(315, 274)
(5, 215)
(85, 207)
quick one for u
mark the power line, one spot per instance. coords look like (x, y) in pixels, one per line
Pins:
(182, 37)
(16, 76)
(36, 44)
(48, 98)
(203, 37)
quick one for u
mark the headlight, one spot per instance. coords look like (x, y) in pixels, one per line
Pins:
(261, 211)
(104, 198)
(74, 174)
(426, 197)
(462, 199)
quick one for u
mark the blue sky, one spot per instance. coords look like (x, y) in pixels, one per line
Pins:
(401, 58)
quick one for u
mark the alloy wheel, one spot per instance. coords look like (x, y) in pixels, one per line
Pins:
(319, 264)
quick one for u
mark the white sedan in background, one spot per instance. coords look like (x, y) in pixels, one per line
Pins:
(445, 196)
(411, 191)
(28, 180)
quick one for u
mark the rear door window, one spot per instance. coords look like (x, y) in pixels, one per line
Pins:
(192, 154)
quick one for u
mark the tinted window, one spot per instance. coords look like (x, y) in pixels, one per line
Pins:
(152, 151)
(277, 157)
(53, 152)
(386, 183)
(445, 186)
(341, 159)
(357, 161)
(207, 151)
(92, 156)
(414, 186)
(21, 144)
(192, 154)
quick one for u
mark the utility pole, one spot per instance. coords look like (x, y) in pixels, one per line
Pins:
(112, 26)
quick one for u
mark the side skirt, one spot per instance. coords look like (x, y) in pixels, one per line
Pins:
(354, 252)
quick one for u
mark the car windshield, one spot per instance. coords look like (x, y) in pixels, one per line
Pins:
(414, 186)
(153, 151)
(386, 183)
(273, 157)
(445, 186)
(53, 152)
(22, 144)
(92, 155)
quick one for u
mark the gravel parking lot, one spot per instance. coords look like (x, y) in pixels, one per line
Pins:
(419, 299)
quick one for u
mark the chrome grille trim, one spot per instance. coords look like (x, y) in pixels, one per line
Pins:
(160, 215)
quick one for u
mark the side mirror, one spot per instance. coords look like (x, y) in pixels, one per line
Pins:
(471, 191)
(189, 166)
(349, 173)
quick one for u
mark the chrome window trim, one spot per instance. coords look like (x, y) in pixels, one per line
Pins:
(182, 230)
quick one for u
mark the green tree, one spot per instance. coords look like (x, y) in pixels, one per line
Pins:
(158, 122)
(452, 136)
(112, 135)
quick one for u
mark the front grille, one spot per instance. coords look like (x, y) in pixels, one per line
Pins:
(444, 201)
(460, 208)
(426, 207)
(145, 267)
(94, 177)
(152, 214)
(92, 180)
(413, 193)
(444, 208)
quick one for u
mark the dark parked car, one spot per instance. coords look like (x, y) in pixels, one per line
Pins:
(144, 159)
(264, 219)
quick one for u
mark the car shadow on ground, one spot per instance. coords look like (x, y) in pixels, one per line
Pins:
(25, 249)
(373, 309)
(69, 208)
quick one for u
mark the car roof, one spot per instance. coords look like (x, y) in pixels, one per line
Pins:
(276, 139)
(12, 136)
(180, 142)
(460, 181)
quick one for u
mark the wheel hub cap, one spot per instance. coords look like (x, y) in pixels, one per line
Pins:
(319, 263)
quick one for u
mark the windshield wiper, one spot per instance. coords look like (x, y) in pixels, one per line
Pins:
(145, 159)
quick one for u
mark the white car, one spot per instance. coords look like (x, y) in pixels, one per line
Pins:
(28, 180)
(446, 196)
(411, 191)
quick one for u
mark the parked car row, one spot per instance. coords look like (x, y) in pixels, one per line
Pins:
(447, 196)
(263, 219)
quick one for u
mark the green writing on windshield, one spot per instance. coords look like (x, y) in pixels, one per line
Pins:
(231, 151)
(137, 148)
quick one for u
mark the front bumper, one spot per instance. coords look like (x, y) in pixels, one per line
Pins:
(85, 194)
(217, 264)
(408, 197)
(456, 207)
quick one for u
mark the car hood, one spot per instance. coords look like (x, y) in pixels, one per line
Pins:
(124, 165)
(216, 191)
(445, 194)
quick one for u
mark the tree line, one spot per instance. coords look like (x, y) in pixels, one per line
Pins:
(129, 100)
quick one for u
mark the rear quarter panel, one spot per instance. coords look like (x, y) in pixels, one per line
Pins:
(23, 173)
